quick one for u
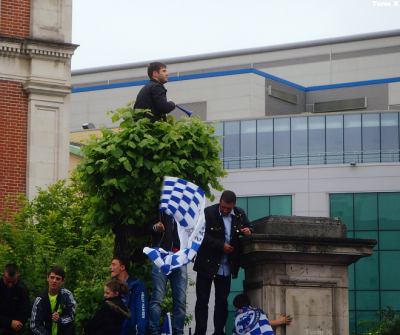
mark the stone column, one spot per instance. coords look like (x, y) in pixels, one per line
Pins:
(299, 266)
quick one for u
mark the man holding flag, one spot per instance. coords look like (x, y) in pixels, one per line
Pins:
(163, 229)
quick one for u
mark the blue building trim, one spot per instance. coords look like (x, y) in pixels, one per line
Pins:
(353, 84)
(236, 72)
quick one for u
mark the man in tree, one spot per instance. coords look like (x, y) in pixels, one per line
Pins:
(218, 259)
(153, 95)
(53, 311)
(164, 231)
(14, 301)
(136, 299)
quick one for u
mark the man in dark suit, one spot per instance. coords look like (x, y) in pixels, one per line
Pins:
(218, 259)
(14, 301)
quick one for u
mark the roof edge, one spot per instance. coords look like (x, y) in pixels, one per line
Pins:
(240, 52)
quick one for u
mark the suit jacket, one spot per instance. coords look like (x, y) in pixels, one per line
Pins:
(209, 256)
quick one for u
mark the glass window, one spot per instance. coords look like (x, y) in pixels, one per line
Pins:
(371, 142)
(391, 298)
(281, 205)
(219, 131)
(334, 139)
(299, 143)
(282, 142)
(389, 240)
(367, 273)
(367, 300)
(341, 206)
(390, 137)
(265, 140)
(248, 143)
(352, 138)
(390, 270)
(316, 140)
(231, 148)
(258, 208)
(365, 211)
(242, 203)
(389, 211)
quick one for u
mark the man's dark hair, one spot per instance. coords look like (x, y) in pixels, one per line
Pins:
(241, 300)
(123, 261)
(11, 270)
(58, 270)
(156, 66)
(229, 197)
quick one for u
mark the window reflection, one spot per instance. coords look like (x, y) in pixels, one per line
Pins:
(299, 143)
(334, 139)
(316, 140)
(352, 138)
(390, 137)
(330, 139)
(371, 138)
(282, 142)
(265, 140)
(219, 131)
(248, 143)
(231, 148)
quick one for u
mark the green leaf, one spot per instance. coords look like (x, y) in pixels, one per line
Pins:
(128, 166)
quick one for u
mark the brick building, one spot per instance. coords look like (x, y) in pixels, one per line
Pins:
(35, 67)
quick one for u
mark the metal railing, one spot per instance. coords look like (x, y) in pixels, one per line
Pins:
(323, 158)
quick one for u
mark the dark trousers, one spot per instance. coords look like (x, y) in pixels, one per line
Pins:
(203, 288)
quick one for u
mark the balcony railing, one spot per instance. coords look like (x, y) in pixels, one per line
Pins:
(253, 162)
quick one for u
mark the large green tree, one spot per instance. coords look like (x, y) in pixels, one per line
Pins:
(123, 170)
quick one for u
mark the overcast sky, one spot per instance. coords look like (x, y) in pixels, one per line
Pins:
(112, 32)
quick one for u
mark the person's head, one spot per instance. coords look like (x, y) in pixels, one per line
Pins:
(10, 275)
(119, 267)
(115, 287)
(227, 202)
(158, 71)
(241, 300)
(56, 277)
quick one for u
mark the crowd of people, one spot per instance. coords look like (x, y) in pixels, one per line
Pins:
(125, 310)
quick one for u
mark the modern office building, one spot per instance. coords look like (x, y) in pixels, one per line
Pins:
(309, 129)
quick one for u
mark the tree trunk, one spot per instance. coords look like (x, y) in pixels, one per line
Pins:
(125, 244)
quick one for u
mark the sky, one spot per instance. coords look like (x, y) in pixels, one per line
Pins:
(112, 32)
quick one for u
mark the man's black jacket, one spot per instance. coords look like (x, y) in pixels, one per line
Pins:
(209, 256)
(153, 96)
(41, 321)
(16, 307)
(168, 239)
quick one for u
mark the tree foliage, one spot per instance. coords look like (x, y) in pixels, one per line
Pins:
(122, 171)
(388, 323)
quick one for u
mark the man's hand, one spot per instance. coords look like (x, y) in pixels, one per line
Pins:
(283, 320)
(2, 330)
(160, 227)
(16, 325)
(245, 231)
(227, 248)
(55, 317)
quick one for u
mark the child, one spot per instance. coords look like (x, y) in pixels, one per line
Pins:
(108, 320)
(253, 321)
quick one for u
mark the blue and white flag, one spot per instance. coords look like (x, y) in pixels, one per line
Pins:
(252, 321)
(167, 328)
(183, 201)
